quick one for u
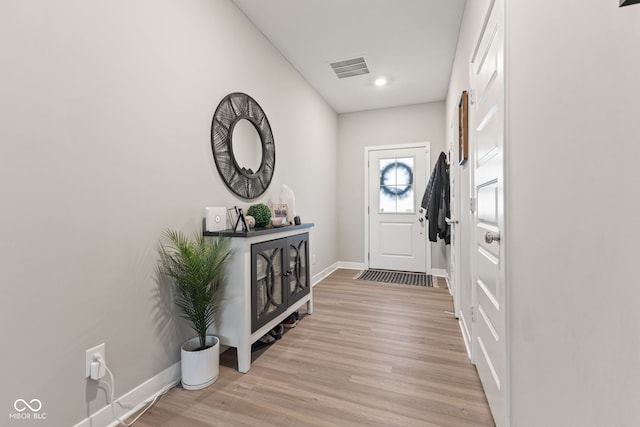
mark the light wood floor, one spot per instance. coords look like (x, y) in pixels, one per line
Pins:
(371, 354)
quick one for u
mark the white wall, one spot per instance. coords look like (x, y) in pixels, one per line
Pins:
(573, 149)
(105, 114)
(572, 128)
(398, 125)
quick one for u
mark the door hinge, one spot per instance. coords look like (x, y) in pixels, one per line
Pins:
(473, 314)
(472, 97)
(369, 256)
(472, 204)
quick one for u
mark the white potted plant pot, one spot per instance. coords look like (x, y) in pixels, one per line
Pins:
(200, 368)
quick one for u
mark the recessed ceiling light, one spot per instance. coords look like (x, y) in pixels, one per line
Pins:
(380, 81)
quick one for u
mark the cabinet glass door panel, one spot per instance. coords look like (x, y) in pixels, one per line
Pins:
(298, 267)
(279, 277)
(269, 297)
(269, 281)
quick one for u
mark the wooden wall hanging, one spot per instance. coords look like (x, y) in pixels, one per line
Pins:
(463, 127)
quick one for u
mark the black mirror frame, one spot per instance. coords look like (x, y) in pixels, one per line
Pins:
(243, 182)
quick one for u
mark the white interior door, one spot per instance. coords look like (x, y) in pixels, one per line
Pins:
(488, 257)
(397, 232)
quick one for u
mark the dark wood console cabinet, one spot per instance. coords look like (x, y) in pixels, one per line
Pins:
(279, 277)
(275, 263)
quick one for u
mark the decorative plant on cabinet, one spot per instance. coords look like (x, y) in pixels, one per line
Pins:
(261, 213)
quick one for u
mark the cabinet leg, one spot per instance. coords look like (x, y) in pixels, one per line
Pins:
(310, 306)
(244, 358)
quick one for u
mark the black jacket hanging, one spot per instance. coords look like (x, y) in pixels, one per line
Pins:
(436, 201)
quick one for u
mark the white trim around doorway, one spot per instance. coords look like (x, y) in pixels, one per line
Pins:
(424, 144)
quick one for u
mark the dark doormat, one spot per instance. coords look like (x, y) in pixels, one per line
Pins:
(399, 277)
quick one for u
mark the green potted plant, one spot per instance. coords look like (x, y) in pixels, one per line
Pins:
(196, 269)
(261, 213)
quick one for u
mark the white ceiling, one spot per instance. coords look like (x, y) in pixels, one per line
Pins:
(411, 42)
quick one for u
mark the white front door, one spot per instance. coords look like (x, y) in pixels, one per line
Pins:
(488, 254)
(397, 178)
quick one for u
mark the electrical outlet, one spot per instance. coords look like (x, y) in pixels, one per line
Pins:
(313, 259)
(89, 357)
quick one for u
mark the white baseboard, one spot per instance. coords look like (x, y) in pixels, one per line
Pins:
(136, 398)
(439, 272)
(352, 265)
(335, 266)
(465, 333)
(324, 273)
(449, 285)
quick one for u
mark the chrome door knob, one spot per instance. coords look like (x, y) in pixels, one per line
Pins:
(490, 237)
(451, 221)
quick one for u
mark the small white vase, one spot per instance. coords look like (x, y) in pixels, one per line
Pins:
(200, 368)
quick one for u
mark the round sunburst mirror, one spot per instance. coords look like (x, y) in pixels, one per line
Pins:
(242, 145)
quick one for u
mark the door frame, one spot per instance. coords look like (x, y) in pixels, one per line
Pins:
(454, 275)
(427, 146)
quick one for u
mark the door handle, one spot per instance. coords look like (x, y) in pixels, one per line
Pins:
(490, 237)
(451, 221)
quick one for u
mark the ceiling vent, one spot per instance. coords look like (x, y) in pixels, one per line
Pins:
(350, 67)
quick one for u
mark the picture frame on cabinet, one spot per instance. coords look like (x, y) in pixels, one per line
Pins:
(280, 214)
(241, 224)
(236, 221)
